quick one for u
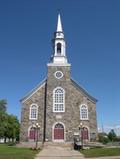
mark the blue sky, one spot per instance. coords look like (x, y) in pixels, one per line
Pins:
(92, 32)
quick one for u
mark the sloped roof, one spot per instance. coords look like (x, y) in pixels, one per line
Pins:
(83, 91)
(34, 90)
(29, 94)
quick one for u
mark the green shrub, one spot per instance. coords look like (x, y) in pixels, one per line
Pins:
(103, 138)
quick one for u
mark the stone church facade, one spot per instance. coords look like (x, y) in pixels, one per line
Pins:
(58, 109)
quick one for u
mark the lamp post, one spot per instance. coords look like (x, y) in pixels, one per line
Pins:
(36, 126)
(81, 129)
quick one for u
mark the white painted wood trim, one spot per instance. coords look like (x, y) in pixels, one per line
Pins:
(57, 64)
(36, 112)
(63, 100)
(29, 96)
(81, 113)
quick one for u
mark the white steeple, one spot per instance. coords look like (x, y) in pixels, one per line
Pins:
(59, 24)
(59, 45)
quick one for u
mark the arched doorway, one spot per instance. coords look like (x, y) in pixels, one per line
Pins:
(32, 133)
(59, 132)
(85, 135)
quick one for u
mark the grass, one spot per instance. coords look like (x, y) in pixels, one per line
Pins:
(12, 152)
(100, 152)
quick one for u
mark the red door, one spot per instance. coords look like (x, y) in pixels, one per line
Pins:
(58, 132)
(32, 134)
(85, 134)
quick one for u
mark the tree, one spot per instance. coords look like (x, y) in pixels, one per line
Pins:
(3, 122)
(12, 128)
(3, 103)
(112, 135)
(9, 126)
(103, 138)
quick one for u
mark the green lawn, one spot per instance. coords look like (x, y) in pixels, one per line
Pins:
(12, 152)
(100, 152)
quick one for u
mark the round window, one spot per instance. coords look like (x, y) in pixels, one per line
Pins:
(58, 74)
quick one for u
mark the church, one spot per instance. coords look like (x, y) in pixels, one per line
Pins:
(58, 109)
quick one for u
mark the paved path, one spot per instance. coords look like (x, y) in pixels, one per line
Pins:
(64, 153)
(59, 153)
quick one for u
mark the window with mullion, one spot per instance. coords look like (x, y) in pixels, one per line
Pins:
(83, 112)
(58, 100)
(33, 112)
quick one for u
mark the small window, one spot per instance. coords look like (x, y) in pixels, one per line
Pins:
(59, 48)
(58, 74)
(83, 112)
(33, 112)
(58, 100)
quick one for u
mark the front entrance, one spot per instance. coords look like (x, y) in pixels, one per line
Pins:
(59, 132)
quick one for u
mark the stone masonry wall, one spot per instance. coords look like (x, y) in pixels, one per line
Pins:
(39, 99)
(73, 99)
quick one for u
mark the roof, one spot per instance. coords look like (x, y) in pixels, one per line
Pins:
(83, 91)
(34, 90)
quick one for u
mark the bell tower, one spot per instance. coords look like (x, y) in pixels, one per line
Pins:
(59, 45)
(58, 76)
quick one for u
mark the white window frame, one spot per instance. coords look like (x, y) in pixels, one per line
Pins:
(34, 104)
(58, 103)
(81, 118)
(55, 74)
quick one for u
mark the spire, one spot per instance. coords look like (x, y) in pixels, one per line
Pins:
(59, 45)
(59, 24)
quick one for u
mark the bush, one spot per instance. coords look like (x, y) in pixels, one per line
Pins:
(117, 139)
(103, 138)
(35, 148)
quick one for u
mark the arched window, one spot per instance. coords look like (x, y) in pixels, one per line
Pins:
(59, 48)
(33, 112)
(58, 99)
(83, 112)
